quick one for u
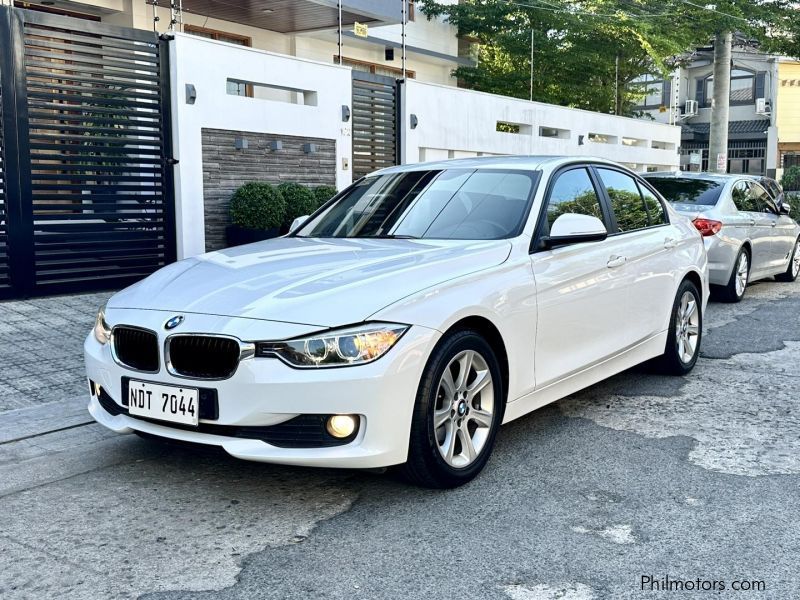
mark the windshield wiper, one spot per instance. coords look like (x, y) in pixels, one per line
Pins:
(395, 236)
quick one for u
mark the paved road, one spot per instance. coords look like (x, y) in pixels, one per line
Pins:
(641, 475)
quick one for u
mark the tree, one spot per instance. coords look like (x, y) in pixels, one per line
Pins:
(579, 43)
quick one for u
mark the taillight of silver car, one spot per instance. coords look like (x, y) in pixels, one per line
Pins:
(707, 227)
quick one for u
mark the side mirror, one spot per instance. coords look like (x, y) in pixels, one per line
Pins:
(785, 208)
(572, 228)
(297, 222)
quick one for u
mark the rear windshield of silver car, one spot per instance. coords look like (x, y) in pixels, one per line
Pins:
(470, 204)
(688, 190)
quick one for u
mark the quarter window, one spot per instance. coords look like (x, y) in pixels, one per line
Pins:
(741, 196)
(655, 210)
(626, 201)
(573, 192)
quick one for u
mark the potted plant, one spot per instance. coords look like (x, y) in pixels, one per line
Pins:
(791, 187)
(257, 212)
(300, 202)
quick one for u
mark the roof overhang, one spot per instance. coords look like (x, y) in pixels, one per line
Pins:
(292, 16)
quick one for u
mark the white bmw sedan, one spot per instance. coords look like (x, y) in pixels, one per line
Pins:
(408, 318)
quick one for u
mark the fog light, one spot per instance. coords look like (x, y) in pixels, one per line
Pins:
(341, 426)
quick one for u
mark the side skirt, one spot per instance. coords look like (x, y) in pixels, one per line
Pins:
(577, 381)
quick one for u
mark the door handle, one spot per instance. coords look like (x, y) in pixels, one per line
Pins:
(774, 224)
(752, 222)
(615, 261)
(670, 243)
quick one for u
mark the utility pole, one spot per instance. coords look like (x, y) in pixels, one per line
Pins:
(616, 85)
(531, 63)
(720, 107)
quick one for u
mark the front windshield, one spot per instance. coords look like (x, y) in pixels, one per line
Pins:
(482, 204)
(688, 190)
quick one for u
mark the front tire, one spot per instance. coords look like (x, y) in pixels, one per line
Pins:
(740, 277)
(685, 332)
(458, 411)
(793, 270)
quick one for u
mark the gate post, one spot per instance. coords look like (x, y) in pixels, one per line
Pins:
(16, 153)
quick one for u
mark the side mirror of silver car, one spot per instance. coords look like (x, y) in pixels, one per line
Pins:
(785, 208)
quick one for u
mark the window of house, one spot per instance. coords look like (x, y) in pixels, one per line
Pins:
(743, 87)
(626, 201)
(573, 192)
(374, 68)
(653, 89)
(235, 88)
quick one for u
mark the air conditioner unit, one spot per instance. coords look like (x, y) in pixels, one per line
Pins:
(690, 110)
(762, 106)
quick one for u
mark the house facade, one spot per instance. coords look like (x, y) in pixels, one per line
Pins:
(685, 99)
(301, 28)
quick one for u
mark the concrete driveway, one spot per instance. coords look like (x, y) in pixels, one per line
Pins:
(638, 481)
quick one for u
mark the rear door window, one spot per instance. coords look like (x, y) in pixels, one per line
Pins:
(626, 200)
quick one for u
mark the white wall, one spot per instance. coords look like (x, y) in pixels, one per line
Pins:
(455, 123)
(208, 65)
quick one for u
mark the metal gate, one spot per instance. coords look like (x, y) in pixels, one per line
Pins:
(88, 198)
(376, 142)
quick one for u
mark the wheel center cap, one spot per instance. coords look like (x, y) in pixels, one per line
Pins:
(462, 408)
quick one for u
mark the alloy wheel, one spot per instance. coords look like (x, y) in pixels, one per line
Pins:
(742, 273)
(796, 260)
(687, 324)
(464, 409)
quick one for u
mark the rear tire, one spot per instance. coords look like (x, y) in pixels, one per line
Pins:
(456, 416)
(734, 290)
(793, 270)
(685, 332)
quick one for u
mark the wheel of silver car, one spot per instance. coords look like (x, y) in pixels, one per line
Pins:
(457, 413)
(734, 290)
(687, 327)
(742, 273)
(462, 416)
(793, 269)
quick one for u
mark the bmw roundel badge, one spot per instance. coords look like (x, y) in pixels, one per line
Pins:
(174, 322)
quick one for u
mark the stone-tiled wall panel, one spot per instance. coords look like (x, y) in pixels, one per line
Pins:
(225, 169)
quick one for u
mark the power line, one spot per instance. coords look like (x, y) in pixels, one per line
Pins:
(710, 9)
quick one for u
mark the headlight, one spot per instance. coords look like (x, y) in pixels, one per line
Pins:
(336, 348)
(102, 332)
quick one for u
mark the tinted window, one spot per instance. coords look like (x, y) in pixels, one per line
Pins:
(449, 204)
(626, 201)
(655, 210)
(573, 192)
(686, 190)
(761, 200)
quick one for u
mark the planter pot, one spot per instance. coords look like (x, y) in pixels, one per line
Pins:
(241, 235)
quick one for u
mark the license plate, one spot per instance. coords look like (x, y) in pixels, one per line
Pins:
(163, 402)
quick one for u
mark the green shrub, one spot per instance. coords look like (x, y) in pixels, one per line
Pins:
(258, 205)
(299, 201)
(323, 193)
(791, 179)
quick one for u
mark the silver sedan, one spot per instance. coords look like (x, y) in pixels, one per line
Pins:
(747, 236)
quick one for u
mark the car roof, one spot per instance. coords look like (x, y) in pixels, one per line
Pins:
(719, 177)
(533, 162)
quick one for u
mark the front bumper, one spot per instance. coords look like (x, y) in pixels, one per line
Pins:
(265, 391)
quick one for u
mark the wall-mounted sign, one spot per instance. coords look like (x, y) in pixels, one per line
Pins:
(361, 29)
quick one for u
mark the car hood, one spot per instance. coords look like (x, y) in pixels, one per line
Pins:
(320, 282)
